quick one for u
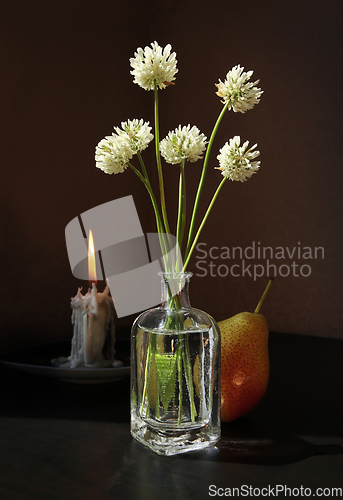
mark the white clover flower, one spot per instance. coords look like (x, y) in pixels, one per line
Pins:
(137, 133)
(234, 160)
(241, 94)
(183, 143)
(113, 154)
(153, 64)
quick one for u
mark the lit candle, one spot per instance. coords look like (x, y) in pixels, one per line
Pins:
(93, 324)
(90, 308)
(98, 319)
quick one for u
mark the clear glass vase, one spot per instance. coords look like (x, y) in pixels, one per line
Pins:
(175, 373)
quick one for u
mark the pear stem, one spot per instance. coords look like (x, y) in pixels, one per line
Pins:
(264, 295)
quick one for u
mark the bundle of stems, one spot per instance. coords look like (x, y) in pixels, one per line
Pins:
(172, 259)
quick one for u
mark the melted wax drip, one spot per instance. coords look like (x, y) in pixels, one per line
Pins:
(94, 312)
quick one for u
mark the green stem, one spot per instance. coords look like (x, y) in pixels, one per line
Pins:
(143, 168)
(179, 374)
(171, 266)
(181, 218)
(202, 224)
(152, 196)
(159, 165)
(201, 182)
(189, 379)
(146, 377)
(159, 223)
(157, 399)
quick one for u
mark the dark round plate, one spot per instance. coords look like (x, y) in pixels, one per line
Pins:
(37, 360)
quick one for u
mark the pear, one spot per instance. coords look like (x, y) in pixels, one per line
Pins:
(244, 361)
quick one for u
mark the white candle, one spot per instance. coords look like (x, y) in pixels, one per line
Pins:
(90, 309)
(93, 339)
(98, 328)
(76, 358)
(93, 325)
(88, 338)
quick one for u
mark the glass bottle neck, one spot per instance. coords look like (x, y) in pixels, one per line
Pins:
(175, 290)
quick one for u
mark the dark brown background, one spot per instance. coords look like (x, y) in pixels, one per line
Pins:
(65, 81)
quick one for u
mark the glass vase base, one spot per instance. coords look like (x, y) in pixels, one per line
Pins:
(175, 373)
(175, 442)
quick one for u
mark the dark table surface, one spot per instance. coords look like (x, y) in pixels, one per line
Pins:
(60, 440)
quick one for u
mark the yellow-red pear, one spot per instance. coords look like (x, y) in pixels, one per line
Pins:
(244, 361)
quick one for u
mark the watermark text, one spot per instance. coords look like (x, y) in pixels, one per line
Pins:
(255, 261)
(273, 491)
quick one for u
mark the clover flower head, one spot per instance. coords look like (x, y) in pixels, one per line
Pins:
(137, 132)
(234, 160)
(238, 91)
(113, 154)
(184, 143)
(154, 64)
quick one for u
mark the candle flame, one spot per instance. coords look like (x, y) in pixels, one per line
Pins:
(91, 258)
